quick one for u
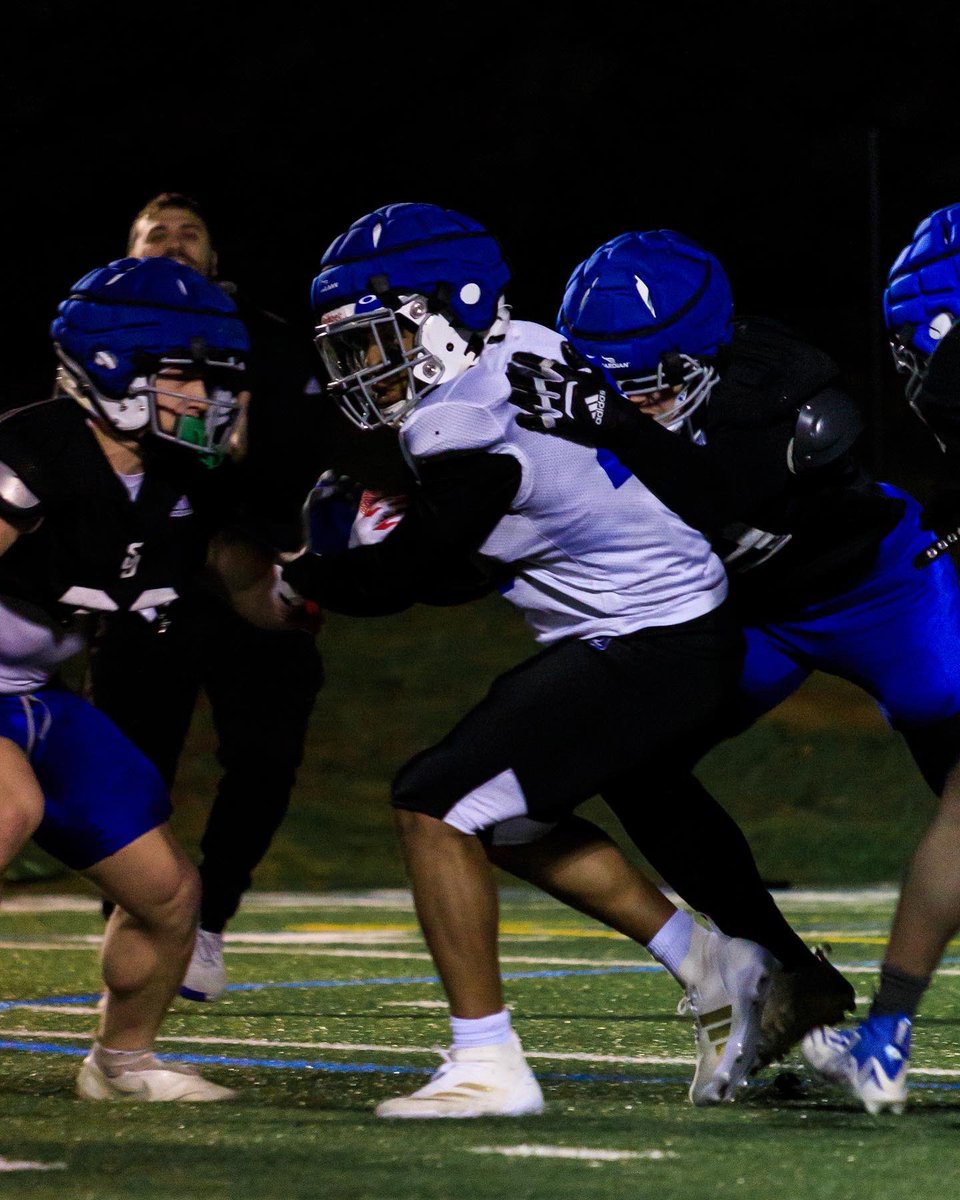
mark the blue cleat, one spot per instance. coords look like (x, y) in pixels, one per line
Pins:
(870, 1061)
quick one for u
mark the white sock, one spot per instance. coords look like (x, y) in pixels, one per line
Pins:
(112, 1062)
(674, 940)
(481, 1031)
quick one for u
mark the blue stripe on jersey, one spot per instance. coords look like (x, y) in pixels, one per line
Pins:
(613, 468)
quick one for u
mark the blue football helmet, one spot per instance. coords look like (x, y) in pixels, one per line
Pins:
(921, 302)
(125, 325)
(405, 300)
(653, 310)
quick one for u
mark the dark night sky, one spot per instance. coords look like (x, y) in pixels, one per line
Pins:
(746, 125)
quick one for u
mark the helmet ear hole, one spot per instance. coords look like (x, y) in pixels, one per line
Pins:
(674, 368)
(439, 300)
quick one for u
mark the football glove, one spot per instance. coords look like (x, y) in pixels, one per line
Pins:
(329, 513)
(572, 398)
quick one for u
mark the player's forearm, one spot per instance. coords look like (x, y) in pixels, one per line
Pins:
(362, 582)
(248, 576)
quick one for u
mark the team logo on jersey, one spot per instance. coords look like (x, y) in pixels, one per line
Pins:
(182, 508)
(131, 560)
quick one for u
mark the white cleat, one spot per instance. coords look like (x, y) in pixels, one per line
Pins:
(206, 977)
(727, 999)
(155, 1081)
(481, 1081)
(870, 1062)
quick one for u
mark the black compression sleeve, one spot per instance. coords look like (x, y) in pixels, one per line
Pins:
(685, 477)
(429, 555)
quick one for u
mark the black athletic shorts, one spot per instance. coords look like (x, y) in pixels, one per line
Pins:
(553, 730)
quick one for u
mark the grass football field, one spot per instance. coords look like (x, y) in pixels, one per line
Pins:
(333, 1005)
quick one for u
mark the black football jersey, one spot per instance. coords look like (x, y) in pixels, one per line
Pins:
(96, 549)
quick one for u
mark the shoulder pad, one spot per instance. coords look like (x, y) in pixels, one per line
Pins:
(827, 426)
(449, 426)
(18, 505)
(767, 373)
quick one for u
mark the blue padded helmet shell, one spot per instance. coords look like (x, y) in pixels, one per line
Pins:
(643, 295)
(134, 310)
(922, 297)
(415, 249)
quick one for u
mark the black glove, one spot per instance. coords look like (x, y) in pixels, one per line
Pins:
(571, 398)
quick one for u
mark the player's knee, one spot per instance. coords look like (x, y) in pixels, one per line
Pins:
(415, 790)
(415, 826)
(948, 810)
(186, 898)
(20, 815)
(21, 800)
(176, 906)
(433, 787)
(518, 831)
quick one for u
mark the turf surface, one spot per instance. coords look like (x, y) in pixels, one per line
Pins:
(333, 1005)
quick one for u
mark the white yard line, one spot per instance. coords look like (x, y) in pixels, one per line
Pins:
(351, 1047)
(399, 900)
(640, 1060)
(74, 942)
(415, 1004)
(586, 1153)
(12, 1164)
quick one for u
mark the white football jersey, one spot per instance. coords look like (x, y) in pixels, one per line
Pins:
(32, 646)
(596, 553)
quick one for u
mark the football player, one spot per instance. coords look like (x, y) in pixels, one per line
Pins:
(261, 686)
(921, 307)
(106, 509)
(827, 565)
(639, 654)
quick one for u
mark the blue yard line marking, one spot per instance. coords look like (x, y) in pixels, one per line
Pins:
(89, 998)
(385, 982)
(366, 1068)
(378, 981)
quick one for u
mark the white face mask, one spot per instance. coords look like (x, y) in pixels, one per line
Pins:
(699, 380)
(381, 362)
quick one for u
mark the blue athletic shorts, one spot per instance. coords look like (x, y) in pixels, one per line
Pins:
(100, 793)
(896, 634)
